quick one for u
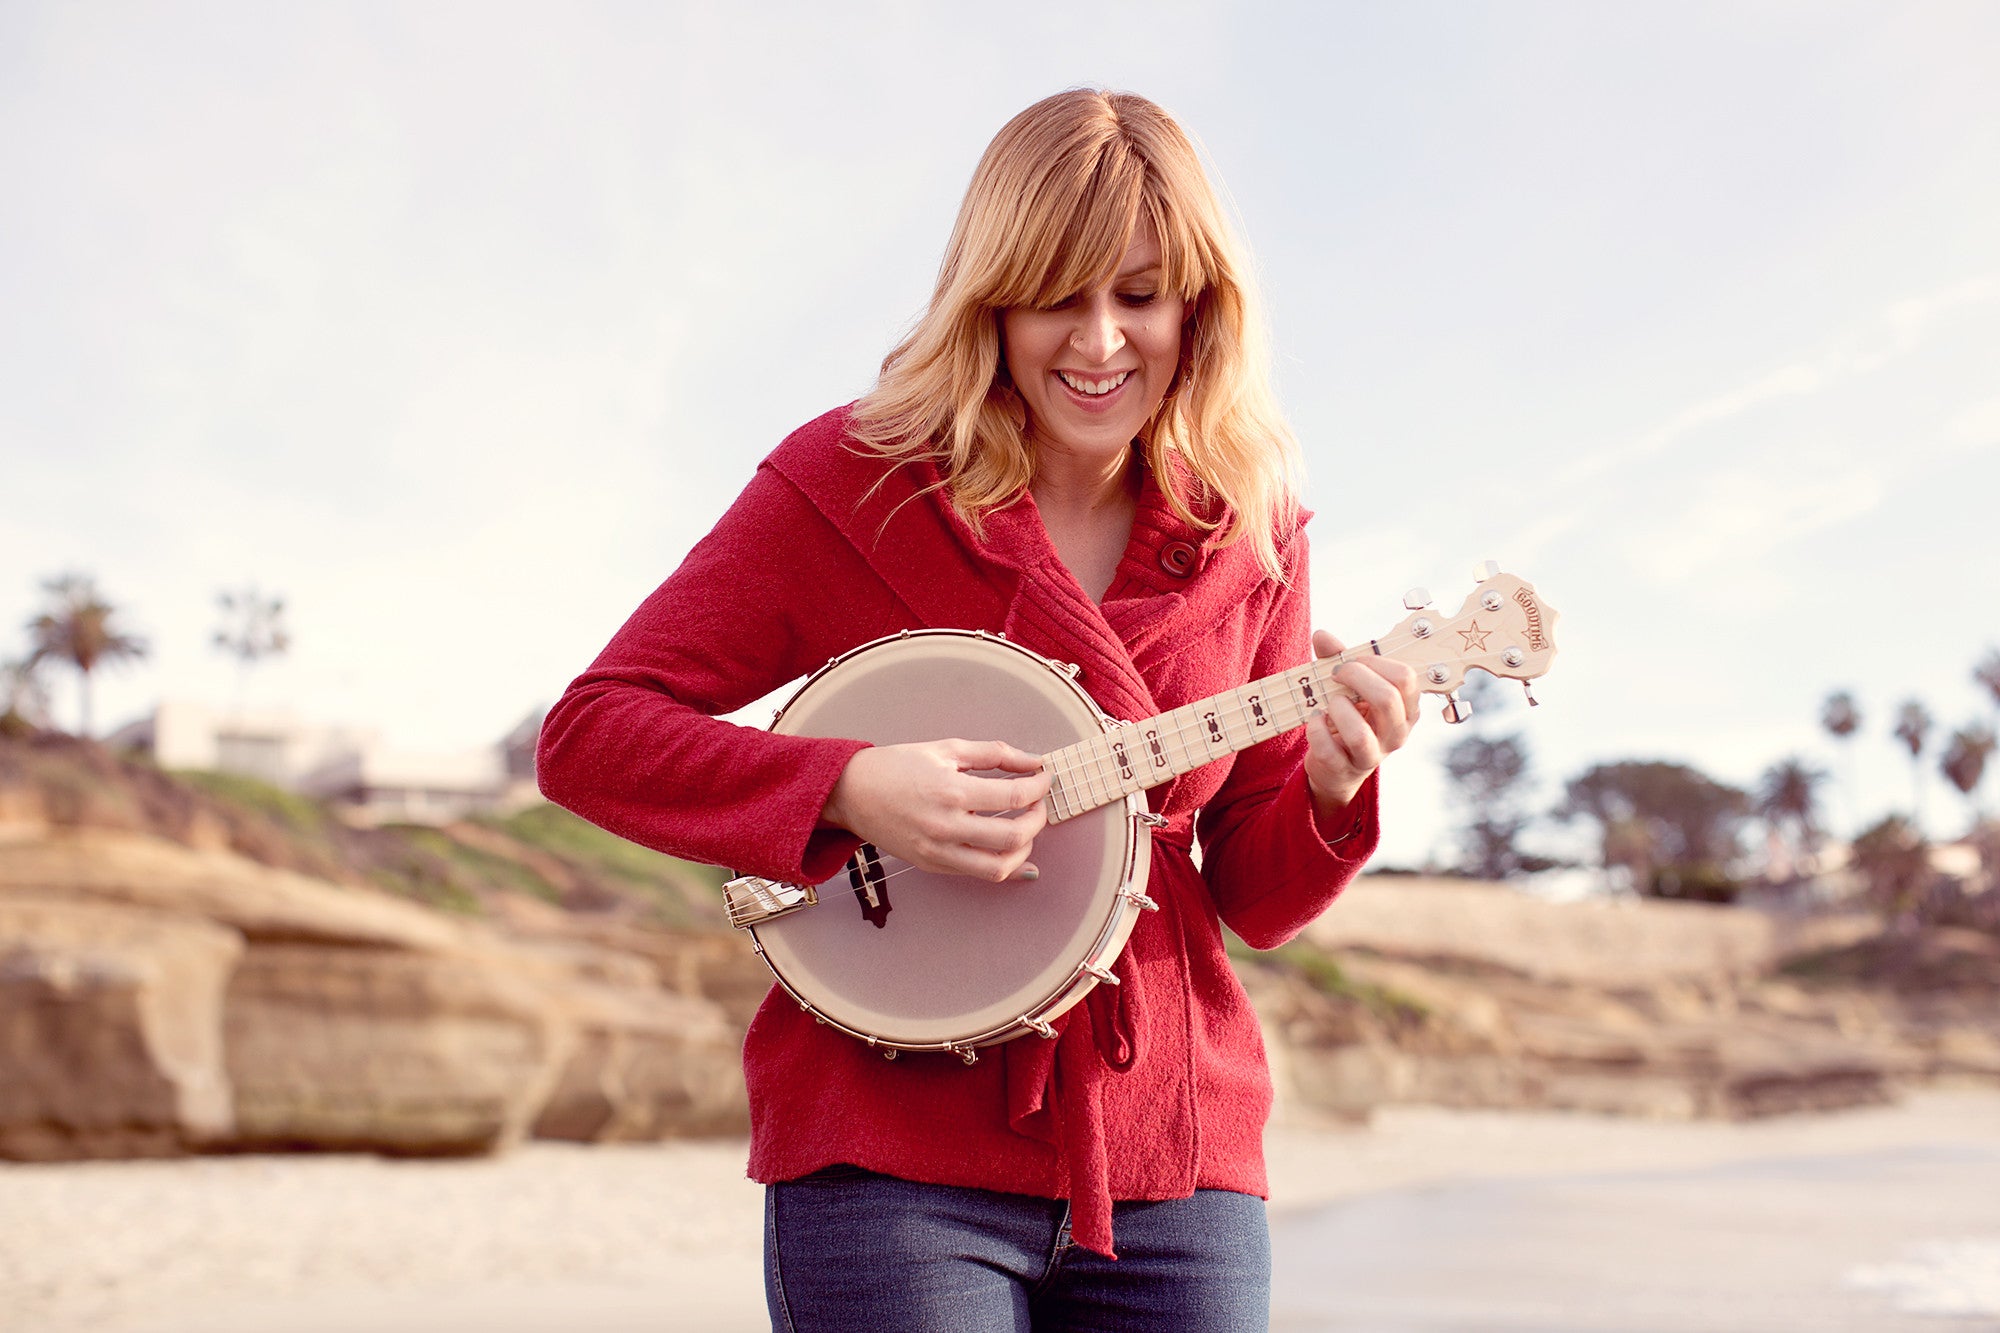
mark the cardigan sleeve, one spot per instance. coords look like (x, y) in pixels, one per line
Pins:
(633, 744)
(1269, 866)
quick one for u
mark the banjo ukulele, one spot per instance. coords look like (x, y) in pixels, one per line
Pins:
(908, 960)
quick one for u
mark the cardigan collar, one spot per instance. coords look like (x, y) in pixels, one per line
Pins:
(1171, 576)
(1172, 579)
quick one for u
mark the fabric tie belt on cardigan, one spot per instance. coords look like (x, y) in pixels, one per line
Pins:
(1055, 1089)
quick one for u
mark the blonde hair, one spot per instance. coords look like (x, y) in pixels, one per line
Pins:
(1051, 210)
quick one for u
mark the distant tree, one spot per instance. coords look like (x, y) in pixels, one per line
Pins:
(1964, 761)
(1488, 777)
(1913, 725)
(1987, 674)
(24, 699)
(1985, 839)
(1841, 716)
(1788, 802)
(1893, 861)
(78, 629)
(1676, 828)
(1481, 693)
(253, 628)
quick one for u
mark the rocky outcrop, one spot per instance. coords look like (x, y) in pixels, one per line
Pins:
(645, 1065)
(1475, 1035)
(1474, 995)
(265, 904)
(392, 1050)
(1610, 943)
(111, 1039)
(335, 1017)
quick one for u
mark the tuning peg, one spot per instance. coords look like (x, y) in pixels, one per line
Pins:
(1416, 599)
(1485, 570)
(1456, 709)
(1529, 690)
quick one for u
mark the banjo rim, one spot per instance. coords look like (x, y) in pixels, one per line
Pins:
(1128, 899)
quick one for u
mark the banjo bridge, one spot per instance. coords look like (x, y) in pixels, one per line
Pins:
(752, 900)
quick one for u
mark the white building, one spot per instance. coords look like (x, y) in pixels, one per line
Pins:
(377, 784)
(273, 745)
(354, 769)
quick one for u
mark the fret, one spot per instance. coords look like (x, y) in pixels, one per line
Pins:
(1091, 760)
(1075, 786)
(1186, 736)
(1200, 748)
(1063, 797)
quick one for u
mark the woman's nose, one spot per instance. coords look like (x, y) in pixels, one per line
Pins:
(1097, 335)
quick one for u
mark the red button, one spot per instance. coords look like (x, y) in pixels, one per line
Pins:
(1177, 558)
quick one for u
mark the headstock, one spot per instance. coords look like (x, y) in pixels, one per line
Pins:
(1504, 628)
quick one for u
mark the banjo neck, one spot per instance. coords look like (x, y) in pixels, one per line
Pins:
(1136, 756)
(1503, 629)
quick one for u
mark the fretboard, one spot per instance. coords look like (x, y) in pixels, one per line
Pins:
(1134, 756)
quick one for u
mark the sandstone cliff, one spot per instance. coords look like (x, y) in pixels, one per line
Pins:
(199, 965)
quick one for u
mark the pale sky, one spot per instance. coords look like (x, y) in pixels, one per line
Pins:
(459, 324)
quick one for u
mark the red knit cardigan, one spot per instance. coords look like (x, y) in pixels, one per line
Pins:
(1156, 1087)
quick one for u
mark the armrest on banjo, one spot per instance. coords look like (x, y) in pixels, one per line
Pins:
(753, 901)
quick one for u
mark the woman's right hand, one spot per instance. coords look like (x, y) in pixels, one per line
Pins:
(924, 804)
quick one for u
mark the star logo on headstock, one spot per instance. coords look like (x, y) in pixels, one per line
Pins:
(1475, 638)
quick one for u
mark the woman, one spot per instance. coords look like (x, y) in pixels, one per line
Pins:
(1077, 446)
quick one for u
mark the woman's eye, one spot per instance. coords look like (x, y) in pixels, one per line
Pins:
(1138, 298)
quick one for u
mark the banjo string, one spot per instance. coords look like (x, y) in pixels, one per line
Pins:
(1242, 712)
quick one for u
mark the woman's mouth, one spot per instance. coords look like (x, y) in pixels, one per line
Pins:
(1093, 388)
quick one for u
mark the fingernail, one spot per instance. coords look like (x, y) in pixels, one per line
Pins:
(1027, 872)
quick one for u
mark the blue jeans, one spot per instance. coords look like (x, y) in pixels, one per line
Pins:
(850, 1251)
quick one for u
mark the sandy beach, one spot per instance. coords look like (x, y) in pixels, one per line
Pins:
(1428, 1219)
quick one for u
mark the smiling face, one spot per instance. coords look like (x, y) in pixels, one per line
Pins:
(1093, 368)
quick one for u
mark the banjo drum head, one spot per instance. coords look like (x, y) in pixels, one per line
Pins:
(957, 960)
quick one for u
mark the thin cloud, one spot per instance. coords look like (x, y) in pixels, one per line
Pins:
(1896, 331)
(1742, 516)
(1572, 502)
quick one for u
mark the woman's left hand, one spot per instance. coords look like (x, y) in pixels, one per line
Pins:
(1349, 740)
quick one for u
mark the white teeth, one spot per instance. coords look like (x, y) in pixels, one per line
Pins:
(1094, 387)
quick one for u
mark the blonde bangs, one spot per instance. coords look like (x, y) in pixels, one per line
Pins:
(1075, 245)
(1052, 209)
(1062, 235)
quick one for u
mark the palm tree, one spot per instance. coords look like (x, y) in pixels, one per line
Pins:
(253, 627)
(1787, 798)
(1964, 761)
(1913, 724)
(1841, 716)
(1987, 673)
(78, 630)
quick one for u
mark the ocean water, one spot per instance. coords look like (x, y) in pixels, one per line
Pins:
(1903, 1241)
(1953, 1278)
